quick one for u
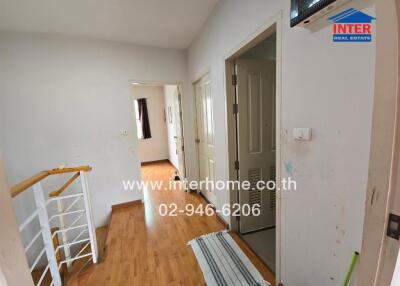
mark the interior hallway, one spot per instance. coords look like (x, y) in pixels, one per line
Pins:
(144, 248)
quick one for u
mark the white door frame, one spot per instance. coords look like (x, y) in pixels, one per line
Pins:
(179, 93)
(180, 90)
(273, 25)
(379, 252)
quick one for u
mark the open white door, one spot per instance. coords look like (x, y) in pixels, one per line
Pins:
(179, 133)
(205, 135)
(256, 138)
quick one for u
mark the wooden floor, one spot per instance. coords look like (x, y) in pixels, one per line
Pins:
(144, 248)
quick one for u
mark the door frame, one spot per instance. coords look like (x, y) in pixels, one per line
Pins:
(14, 268)
(180, 91)
(379, 252)
(273, 25)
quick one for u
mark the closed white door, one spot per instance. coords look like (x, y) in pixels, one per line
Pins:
(256, 139)
(179, 132)
(205, 136)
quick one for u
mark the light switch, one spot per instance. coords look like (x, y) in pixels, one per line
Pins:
(123, 132)
(302, 134)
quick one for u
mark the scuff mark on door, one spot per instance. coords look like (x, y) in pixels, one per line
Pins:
(288, 168)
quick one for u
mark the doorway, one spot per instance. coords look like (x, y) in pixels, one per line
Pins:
(253, 118)
(255, 71)
(159, 125)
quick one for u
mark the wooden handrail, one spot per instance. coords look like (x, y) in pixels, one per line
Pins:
(25, 184)
(69, 170)
(65, 186)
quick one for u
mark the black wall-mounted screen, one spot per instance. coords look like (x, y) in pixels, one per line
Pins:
(302, 9)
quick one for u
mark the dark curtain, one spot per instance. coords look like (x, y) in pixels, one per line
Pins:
(144, 118)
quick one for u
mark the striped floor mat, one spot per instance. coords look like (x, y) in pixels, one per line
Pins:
(223, 263)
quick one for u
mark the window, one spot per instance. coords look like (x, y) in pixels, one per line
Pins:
(142, 119)
(138, 122)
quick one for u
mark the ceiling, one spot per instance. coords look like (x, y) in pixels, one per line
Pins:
(159, 23)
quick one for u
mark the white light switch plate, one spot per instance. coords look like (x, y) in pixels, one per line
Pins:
(302, 134)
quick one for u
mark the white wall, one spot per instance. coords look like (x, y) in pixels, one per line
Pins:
(169, 91)
(2, 116)
(2, 119)
(65, 102)
(327, 86)
(156, 147)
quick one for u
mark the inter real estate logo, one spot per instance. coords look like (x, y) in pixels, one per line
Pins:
(352, 26)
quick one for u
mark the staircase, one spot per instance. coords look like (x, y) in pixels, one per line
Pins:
(60, 230)
(82, 268)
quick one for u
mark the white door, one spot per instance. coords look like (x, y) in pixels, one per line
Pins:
(179, 132)
(256, 138)
(205, 135)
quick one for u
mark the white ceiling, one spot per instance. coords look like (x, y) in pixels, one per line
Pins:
(160, 23)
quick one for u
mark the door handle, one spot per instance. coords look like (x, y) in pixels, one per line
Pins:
(197, 140)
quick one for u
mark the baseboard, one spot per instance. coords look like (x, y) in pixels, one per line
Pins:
(154, 162)
(203, 196)
(217, 215)
(221, 220)
(176, 167)
(124, 205)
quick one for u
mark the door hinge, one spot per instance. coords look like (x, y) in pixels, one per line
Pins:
(235, 108)
(393, 230)
(234, 79)
(183, 148)
(236, 165)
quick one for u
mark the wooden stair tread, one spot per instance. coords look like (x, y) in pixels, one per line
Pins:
(37, 273)
(81, 267)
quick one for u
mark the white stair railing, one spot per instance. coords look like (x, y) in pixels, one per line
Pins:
(46, 234)
(89, 216)
(59, 255)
